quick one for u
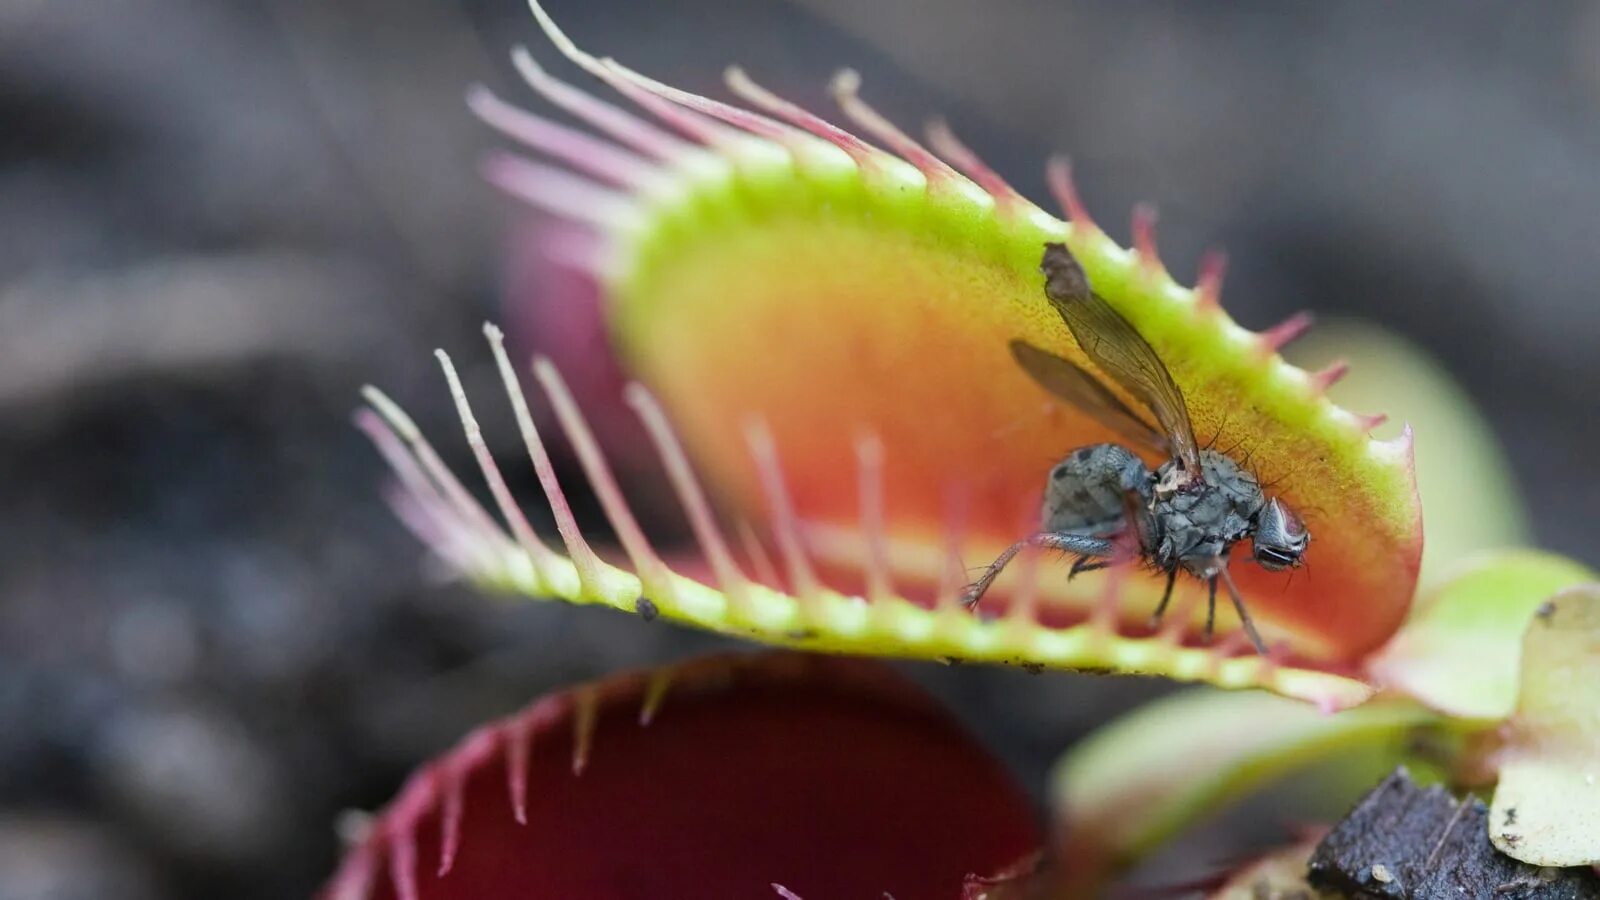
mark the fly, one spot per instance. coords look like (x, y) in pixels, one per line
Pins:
(1187, 514)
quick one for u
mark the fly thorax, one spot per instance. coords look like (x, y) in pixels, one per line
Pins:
(1205, 519)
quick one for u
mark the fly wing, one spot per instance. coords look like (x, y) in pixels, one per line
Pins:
(1118, 349)
(1067, 381)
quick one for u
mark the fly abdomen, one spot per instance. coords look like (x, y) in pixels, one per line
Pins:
(1085, 491)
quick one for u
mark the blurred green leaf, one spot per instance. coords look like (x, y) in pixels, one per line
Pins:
(1546, 810)
(1460, 650)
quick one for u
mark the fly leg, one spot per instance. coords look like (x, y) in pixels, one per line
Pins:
(1084, 564)
(1166, 597)
(1211, 607)
(1072, 543)
(1238, 604)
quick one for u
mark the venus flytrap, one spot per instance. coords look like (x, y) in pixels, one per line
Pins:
(787, 294)
(817, 330)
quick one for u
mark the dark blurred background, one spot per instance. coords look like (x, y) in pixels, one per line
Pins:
(220, 217)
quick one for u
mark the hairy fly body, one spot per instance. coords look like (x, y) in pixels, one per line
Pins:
(1184, 516)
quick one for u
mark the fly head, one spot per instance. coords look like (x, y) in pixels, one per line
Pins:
(1280, 537)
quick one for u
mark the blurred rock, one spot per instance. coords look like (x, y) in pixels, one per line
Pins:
(194, 782)
(61, 858)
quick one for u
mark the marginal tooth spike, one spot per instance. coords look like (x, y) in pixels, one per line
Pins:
(741, 119)
(688, 489)
(624, 126)
(1401, 448)
(869, 158)
(869, 473)
(563, 43)
(355, 878)
(945, 143)
(655, 693)
(574, 247)
(578, 550)
(537, 552)
(518, 738)
(462, 503)
(1144, 240)
(651, 570)
(1279, 335)
(1103, 620)
(846, 87)
(559, 191)
(606, 70)
(660, 100)
(785, 893)
(403, 862)
(598, 158)
(802, 580)
(1327, 377)
(760, 560)
(1208, 286)
(953, 580)
(416, 500)
(1176, 622)
(586, 712)
(1369, 422)
(1023, 608)
(450, 818)
(1058, 172)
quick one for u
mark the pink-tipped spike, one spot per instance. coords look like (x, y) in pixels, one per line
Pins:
(1104, 618)
(1024, 600)
(1058, 172)
(687, 486)
(599, 158)
(416, 500)
(656, 97)
(655, 693)
(356, 876)
(865, 155)
(558, 191)
(1177, 619)
(1367, 423)
(785, 893)
(625, 127)
(537, 552)
(461, 502)
(586, 712)
(1402, 446)
(953, 580)
(945, 143)
(517, 740)
(742, 119)
(626, 82)
(403, 862)
(1279, 335)
(802, 580)
(450, 818)
(846, 89)
(1231, 645)
(1208, 287)
(1329, 376)
(578, 550)
(651, 570)
(869, 474)
(1144, 240)
(573, 246)
(760, 560)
